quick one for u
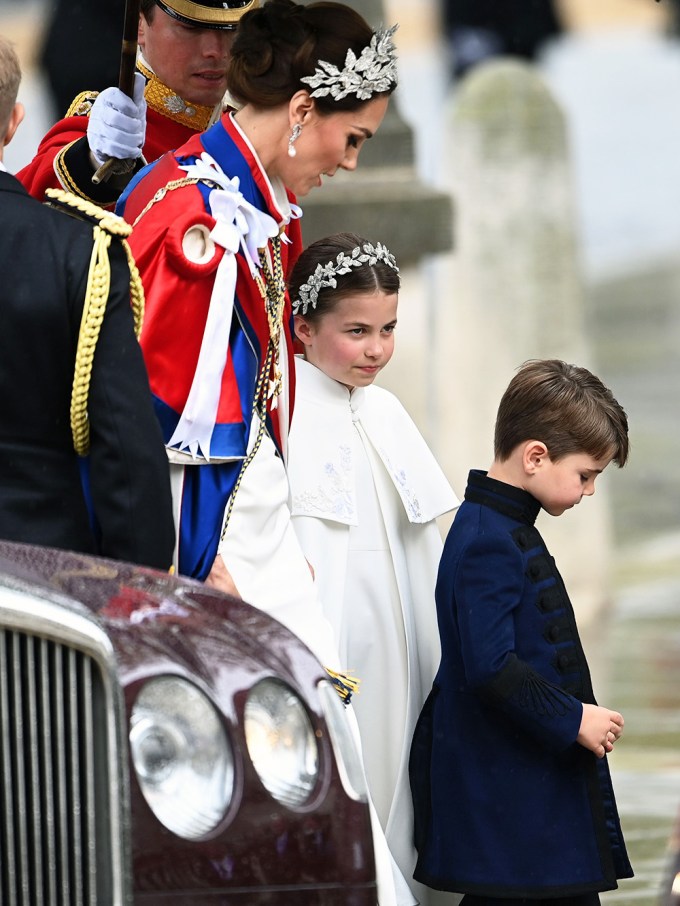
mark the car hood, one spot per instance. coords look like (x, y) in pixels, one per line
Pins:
(154, 618)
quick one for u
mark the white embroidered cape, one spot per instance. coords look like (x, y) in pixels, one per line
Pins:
(337, 443)
(322, 476)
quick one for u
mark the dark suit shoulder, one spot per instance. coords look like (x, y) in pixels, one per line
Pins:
(39, 233)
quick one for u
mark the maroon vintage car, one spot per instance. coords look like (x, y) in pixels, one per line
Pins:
(162, 743)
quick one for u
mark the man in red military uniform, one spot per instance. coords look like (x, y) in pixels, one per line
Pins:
(179, 90)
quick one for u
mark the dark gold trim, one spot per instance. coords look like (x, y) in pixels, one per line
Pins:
(63, 175)
(82, 104)
(202, 15)
(169, 104)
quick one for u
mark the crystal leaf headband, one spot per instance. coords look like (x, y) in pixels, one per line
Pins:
(371, 73)
(324, 275)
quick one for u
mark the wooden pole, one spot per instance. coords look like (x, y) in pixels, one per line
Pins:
(126, 83)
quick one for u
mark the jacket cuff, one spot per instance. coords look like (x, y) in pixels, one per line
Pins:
(74, 170)
(545, 710)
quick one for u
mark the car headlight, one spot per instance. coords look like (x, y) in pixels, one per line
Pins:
(345, 746)
(182, 756)
(281, 742)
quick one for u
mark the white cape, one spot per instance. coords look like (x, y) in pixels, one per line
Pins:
(326, 497)
(263, 555)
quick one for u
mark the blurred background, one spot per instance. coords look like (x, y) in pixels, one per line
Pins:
(543, 177)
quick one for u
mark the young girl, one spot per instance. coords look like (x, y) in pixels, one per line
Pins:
(365, 493)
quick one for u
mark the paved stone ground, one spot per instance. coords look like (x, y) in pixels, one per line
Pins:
(635, 323)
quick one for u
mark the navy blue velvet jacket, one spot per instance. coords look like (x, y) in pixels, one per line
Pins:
(507, 803)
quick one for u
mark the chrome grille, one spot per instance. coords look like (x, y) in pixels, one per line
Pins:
(56, 827)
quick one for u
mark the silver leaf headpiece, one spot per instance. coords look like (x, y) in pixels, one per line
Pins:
(373, 72)
(325, 274)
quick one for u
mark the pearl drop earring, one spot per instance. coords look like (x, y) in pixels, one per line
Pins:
(294, 136)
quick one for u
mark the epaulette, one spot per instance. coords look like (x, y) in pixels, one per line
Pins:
(89, 211)
(82, 104)
(105, 226)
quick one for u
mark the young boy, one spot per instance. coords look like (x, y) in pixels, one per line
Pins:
(511, 789)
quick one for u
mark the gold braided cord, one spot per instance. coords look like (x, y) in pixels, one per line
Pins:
(107, 220)
(136, 290)
(163, 191)
(257, 408)
(273, 296)
(106, 226)
(96, 296)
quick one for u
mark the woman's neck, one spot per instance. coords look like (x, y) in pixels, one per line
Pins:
(264, 129)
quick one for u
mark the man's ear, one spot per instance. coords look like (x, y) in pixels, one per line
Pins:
(534, 455)
(141, 31)
(300, 108)
(303, 330)
(15, 118)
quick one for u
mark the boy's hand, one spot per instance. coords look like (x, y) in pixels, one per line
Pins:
(600, 728)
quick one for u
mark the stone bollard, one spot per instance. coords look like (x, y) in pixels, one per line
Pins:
(386, 198)
(512, 290)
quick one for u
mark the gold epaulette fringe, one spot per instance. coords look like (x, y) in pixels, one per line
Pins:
(82, 104)
(105, 226)
(344, 684)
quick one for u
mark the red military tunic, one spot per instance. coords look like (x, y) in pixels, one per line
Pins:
(63, 157)
(179, 241)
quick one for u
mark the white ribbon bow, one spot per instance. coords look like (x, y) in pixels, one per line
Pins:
(239, 224)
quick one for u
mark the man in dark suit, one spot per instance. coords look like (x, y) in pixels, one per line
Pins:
(116, 500)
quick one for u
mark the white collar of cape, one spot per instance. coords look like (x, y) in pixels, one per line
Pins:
(320, 465)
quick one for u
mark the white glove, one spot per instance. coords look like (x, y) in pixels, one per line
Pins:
(117, 123)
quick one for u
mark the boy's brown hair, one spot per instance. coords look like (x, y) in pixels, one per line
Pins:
(10, 78)
(564, 406)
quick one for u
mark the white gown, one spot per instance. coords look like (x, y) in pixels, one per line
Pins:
(266, 562)
(365, 493)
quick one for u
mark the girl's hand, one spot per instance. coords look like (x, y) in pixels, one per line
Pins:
(600, 728)
(219, 577)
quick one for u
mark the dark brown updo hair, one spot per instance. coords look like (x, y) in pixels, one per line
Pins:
(368, 278)
(282, 41)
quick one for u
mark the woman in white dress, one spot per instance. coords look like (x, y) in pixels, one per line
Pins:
(365, 494)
